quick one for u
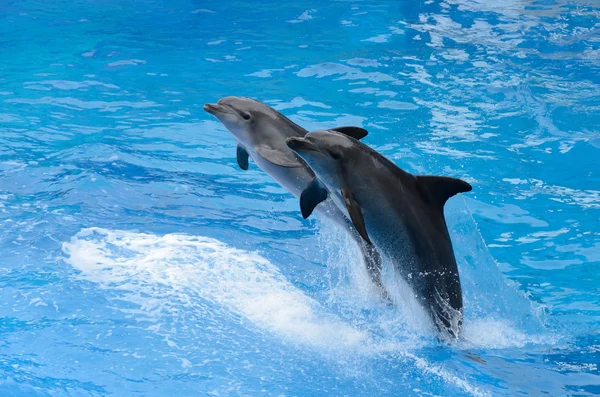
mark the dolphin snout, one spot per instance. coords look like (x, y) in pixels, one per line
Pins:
(214, 108)
(299, 144)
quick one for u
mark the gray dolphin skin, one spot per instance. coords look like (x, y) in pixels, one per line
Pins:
(400, 213)
(261, 134)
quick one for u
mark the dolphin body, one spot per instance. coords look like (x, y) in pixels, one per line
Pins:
(400, 213)
(261, 134)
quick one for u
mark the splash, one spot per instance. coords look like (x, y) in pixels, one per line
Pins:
(183, 267)
(180, 276)
(488, 298)
(165, 275)
(496, 314)
(351, 289)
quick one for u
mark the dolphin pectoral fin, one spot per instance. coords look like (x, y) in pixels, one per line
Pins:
(439, 189)
(242, 157)
(355, 213)
(283, 158)
(354, 132)
(311, 196)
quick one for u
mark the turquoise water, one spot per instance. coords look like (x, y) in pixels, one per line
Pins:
(138, 260)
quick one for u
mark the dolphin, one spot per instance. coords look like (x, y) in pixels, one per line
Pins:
(401, 214)
(261, 134)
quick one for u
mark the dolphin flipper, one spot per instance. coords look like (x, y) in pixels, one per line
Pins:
(284, 158)
(242, 157)
(355, 214)
(438, 189)
(354, 132)
(311, 196)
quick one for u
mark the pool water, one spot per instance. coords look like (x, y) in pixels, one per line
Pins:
(139, 260)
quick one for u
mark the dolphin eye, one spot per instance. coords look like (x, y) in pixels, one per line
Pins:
(246, 116)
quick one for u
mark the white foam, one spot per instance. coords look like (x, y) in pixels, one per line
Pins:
(244, 282)
(166, 275)
(491, 333)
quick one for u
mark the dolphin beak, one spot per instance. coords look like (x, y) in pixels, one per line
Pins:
(301, 144)
(214, 109)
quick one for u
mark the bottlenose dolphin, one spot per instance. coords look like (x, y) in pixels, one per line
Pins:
(400, 213)
(261, 133)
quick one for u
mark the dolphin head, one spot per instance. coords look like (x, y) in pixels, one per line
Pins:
(325, 152)
(239, 115)
(252, 122)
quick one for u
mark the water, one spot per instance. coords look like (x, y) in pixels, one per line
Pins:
(138, 260)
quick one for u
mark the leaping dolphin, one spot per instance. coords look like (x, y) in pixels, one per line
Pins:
(261, 134)
(400, 213)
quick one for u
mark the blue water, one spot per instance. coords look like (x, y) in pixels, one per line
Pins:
(138, 260)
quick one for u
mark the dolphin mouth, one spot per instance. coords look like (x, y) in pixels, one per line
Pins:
(215, 108)
(298, 144)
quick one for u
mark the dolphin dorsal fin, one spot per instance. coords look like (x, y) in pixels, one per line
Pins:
(354, 132)
(438, 189)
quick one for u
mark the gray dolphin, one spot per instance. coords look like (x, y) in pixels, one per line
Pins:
(261, 133)
(400, 213)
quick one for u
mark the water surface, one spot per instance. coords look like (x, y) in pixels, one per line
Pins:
(138, 260)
